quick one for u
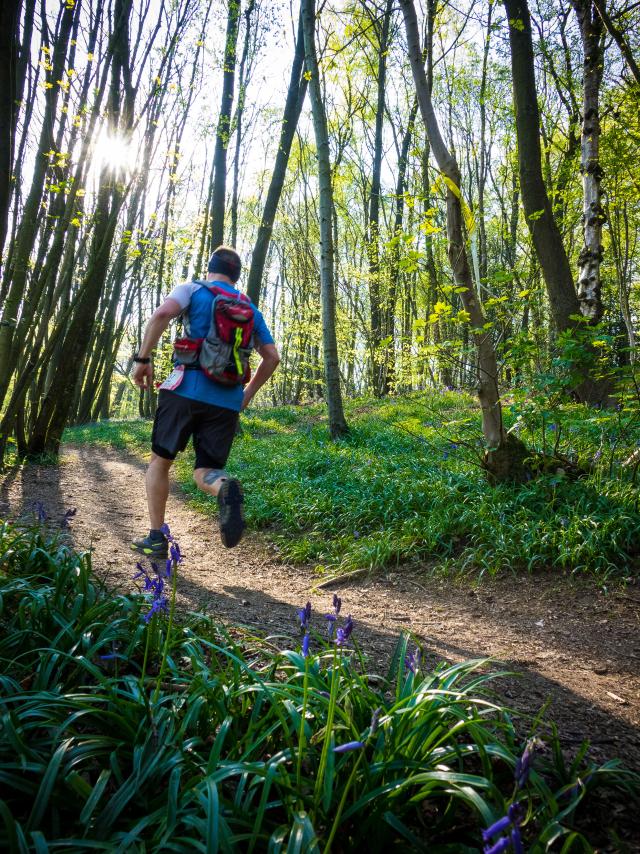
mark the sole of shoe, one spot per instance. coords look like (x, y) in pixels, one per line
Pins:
(231, 520)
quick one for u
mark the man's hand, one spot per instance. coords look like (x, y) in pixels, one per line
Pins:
(246, 400)
(143, 375)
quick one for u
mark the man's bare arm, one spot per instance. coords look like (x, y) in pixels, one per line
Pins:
(158, 322)
(270, 361)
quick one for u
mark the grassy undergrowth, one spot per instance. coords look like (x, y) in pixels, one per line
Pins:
(406, 485)
(123, 729)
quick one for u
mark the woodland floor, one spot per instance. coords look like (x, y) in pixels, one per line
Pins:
(570, 642)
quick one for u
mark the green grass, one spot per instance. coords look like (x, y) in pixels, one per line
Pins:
(124, 736)
(406, 486)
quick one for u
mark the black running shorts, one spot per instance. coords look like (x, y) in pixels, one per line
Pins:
(212, 427)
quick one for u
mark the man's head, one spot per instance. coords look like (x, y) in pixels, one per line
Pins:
(225, 261)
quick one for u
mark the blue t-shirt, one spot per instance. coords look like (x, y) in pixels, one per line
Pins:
(196, 385)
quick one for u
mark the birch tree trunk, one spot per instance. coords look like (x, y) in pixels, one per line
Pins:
(337, 423)
(589, 283)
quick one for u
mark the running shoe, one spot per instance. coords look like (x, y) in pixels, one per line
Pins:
(231, 519)
(152, 548)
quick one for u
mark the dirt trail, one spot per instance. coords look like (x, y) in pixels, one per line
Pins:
(570, 642)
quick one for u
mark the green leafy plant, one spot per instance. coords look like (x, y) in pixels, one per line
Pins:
(225, 741)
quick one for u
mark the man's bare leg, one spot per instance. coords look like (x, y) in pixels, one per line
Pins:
(157, 483)
(209, 480)
(154, 545)
(228, 491)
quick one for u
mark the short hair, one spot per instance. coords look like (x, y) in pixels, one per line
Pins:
(226, 261)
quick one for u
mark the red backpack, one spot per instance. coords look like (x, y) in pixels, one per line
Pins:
(224, 354)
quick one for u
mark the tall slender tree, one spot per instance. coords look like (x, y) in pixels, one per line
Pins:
(589, 281)
(337, 422)
(505, 454)
(292, 109)
(223, 130)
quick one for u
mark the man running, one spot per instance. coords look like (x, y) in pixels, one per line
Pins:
(192, 404)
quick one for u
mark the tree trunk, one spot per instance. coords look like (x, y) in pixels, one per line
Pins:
(618, 37)
(337, 423)
(589, 283)
(293, 106)
(9, 104)
(373, 236)
(219, 194)
(239, 117)
(542, 226)
(504, 459)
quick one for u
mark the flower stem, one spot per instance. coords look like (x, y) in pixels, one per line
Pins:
(301, 734)
(165, 650)
(329, 726)
(343, 800)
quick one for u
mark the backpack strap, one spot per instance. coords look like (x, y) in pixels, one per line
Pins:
(220, 292)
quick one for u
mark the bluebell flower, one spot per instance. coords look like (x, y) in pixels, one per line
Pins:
(39, 511)
(524, 763)
(412, 660)
(511, 819)
(166, 531)
(305, 645)
(350, 745)
(337, 603)
(344, 632)
(159, 604)
(304, 614)
(174, 551)
(331, 620)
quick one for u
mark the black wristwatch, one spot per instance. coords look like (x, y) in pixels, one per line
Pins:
(140, 361)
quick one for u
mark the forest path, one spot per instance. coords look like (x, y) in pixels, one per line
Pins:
(569, 641)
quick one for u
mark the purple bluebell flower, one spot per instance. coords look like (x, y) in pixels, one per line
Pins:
(501, 845)
(337, 603)
(304, 614)
(174, 551)
(305, 645)
(154, 586)
(497, 827)
(344, 633)
(350, 745)
(511, 819)
(40, 512)
(524, 763)
(331, 621)
(168, 567)
(160, 603)
(412, 661)
(553, 427)
(166, 531)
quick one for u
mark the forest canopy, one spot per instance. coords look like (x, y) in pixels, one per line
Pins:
(469, 219)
